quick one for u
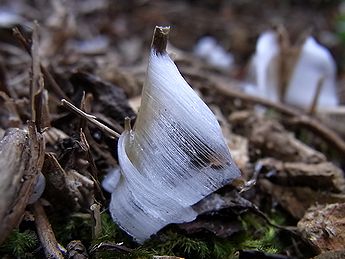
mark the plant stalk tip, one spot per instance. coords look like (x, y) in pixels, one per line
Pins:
(160, 39)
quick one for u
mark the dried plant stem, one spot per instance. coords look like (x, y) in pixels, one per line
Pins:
(96, 220)
(160, 39)
(45, 232)
(47, 75)
(37, 83)
(90, 118)
(313, 106)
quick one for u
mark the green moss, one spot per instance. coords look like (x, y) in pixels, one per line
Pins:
(183, 246)
(223, 249)
(257, 235)
(20, 244)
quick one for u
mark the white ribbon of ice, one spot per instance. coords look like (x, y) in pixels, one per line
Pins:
(175, 155)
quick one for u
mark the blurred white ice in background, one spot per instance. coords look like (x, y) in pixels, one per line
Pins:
(314, 65)
(210, 50)
(8, 18)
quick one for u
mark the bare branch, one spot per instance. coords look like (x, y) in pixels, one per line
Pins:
(90, 118)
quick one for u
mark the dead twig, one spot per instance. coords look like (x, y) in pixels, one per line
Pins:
(313, 106)
(90, 118)
(37, 83)
(92, 166)
(47, 75)
(45, 232)
(85, 105)
(96, 220)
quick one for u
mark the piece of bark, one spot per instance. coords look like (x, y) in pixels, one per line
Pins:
(268, 138)
(324, 227)
(296, 200)
(21, 160)
(323, 176)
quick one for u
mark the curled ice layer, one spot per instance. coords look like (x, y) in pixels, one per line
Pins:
(175, 155)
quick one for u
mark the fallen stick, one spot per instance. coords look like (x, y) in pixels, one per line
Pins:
(90, 118)
(45, 232)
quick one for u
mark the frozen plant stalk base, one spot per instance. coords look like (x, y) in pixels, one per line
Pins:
(175, 155)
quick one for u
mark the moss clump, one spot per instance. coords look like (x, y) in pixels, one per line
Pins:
(257, 235)
(20, 244)
(180, 245)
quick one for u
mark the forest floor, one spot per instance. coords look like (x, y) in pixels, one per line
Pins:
(290, 201)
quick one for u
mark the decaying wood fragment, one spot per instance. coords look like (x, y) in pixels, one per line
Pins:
(296, 200)
(295, 117)
(268, 138)
(21, 160)
(324, 227)
(323, 176)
